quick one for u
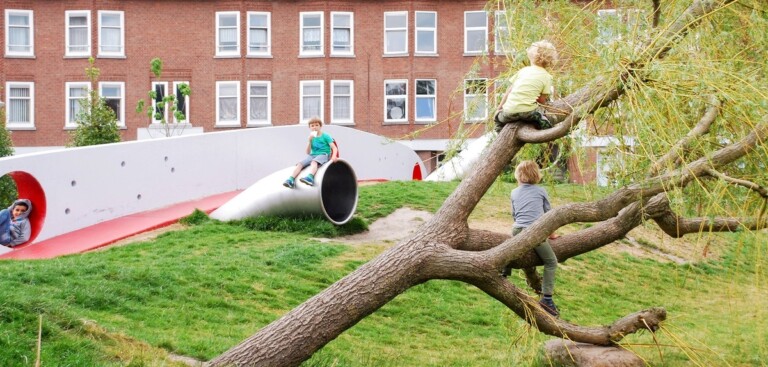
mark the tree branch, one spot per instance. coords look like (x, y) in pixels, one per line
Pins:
(762, 191)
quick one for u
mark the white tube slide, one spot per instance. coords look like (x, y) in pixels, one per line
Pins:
(457, 167)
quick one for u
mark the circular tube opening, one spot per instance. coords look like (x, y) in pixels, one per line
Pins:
(338, 195)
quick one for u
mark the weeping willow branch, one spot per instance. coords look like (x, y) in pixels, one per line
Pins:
(762, 191)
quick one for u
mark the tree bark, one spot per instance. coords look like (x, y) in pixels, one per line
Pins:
(445, 248)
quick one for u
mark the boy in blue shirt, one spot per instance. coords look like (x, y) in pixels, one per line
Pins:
(320, 149)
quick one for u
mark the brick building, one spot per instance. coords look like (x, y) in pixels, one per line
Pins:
(386, 67)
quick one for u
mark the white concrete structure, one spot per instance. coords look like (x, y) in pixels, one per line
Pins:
(89, 185)
(457, 167)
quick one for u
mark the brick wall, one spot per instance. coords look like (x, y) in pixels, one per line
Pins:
(182, 33)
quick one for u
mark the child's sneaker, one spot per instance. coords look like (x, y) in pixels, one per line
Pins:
(289, 183)
(308, 179)
(548, 305)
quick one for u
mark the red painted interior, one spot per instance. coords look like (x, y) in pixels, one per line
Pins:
(416, 172)
(29, 188)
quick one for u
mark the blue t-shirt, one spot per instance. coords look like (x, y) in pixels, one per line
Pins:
(321, 144)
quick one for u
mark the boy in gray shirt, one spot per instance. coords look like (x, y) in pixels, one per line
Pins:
(529, 202)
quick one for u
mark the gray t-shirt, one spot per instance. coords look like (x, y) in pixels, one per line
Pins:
(529, 202)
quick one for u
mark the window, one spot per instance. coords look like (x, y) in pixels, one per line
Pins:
(311, 102)
(20, 104)
(426, 32)
(475, 99)
(342, 102)
(182, 102)
(111, 33)
(228, 103)
(396, 32)
(311, 34)
(615, 24)
(426, 99)
(228, 33)
(475, 32)
(158, 106)
(113, 94)
(342, 33)
(501, 34)
(396, 101)
(19, 33)
(76, 93)
(78, 33)
(259, 103)
(259, 34)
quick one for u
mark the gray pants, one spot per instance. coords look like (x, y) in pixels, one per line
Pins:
(536, 117)
(544, 250)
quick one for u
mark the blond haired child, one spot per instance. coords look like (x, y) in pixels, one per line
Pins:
(528, 88)
(529, 202)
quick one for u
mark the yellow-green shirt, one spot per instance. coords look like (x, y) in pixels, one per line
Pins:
(526, 86)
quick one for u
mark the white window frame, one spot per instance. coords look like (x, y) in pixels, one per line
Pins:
(68, 118)
(303, 119)
(31, 15)
(351, 119)
(418, 96)
(351, 34)
(395, 29)
(154, 103)
(268, 120)
(268, 51)
(467, 29)
(500, 32)
(424, 29)
(219, 52)
(186, 102)
(387, 97)
(120, 53)
(121, 113)
(227, 123)
(473, 97)
(20, 126)
(302, 51)
(74, 13)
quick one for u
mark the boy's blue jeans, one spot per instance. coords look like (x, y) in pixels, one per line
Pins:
(5, 227)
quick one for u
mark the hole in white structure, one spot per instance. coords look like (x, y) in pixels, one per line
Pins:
(339, 192)
(173, 169)
(74, 183)
(66, 211)
(122, 164)
(138, 197)
(166, 158)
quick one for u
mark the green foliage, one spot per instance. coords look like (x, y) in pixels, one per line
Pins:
(8, 192)
(310, 225)
(196, 218)
(166, 104)
(96, 121)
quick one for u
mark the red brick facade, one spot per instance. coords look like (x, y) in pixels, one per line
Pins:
(183, 35)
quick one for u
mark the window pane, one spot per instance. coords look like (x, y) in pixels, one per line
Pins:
(341, 20)
(19, 111)
(341, 88)
(227, 109)
(258, 108)
(425, 108)
(110, 91)
(78, 39)
(427, 20)
(18, 92)
(425, 87)
(229, 20)
(476, 19)
(395, 21)
(311, 89)
(258, 20)
(258, 90)
(475, 40)
(227, 90)
(111, 40)
(395, 89)
(18, 19)
(425, 41)
(78, 20)
(341, 109)
(396, 41)
(77, 92)
(395, 108)
(110, 20)
(114, 104)
(312, 20)
(311, 107)
(228, 39)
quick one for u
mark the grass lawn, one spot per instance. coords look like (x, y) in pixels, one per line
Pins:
(199, 291)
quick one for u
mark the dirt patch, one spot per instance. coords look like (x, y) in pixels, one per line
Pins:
(392, 228)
